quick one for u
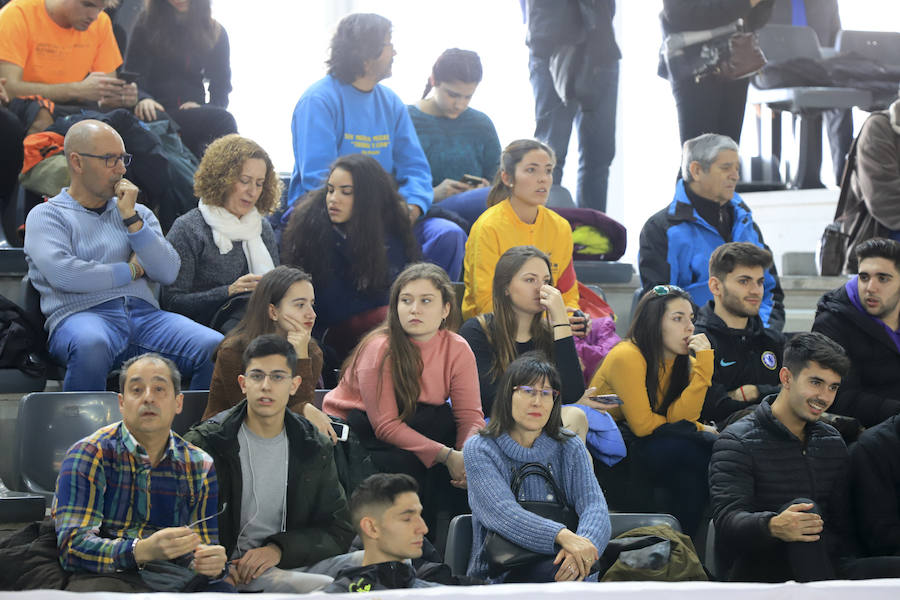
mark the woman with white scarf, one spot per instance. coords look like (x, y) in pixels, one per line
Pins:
(225, 244)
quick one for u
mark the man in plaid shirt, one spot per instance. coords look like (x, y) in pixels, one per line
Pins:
(134, 492)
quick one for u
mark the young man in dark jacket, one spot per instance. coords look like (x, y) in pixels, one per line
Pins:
(387, 513)
(282, 505)
(875, 487)
(778, 480)
(748, 353)
(863, 316)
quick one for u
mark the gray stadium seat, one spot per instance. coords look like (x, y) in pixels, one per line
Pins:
(49, 423)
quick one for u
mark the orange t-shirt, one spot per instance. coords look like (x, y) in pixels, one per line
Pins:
(48, 53)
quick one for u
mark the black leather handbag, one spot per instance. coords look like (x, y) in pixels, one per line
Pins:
(504, 555)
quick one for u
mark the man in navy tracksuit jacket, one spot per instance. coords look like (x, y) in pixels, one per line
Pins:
(676, 242)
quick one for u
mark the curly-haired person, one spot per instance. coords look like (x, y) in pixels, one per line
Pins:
(237, 185)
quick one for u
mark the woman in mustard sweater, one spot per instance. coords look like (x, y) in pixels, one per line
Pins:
(662, 388)
(517, 217)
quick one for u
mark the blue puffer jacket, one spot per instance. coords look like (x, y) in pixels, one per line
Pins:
(676, 244)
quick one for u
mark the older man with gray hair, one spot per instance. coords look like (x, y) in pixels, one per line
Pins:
(676, 242)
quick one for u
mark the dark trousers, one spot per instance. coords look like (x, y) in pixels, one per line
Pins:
(710, 107)
(678, 462)
(810, 561)
(12, 153)
(200, 126)
(440, 500)
(596, 127)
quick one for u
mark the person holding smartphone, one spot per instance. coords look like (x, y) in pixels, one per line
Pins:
(283, 507)
(460, 143)
(174, 47)
(661, 372)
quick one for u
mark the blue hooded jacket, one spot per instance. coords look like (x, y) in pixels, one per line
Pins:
(676, 244)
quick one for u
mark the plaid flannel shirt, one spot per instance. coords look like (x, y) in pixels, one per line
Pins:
(103, 498)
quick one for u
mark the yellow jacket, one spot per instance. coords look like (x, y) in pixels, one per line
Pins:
(497, 230)
(624, 373)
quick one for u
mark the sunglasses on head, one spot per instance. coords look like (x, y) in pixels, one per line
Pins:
(664, 290)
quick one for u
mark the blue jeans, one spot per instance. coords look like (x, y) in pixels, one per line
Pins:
(443, 243)
(596, 127)
(93, 342)
(468, 205)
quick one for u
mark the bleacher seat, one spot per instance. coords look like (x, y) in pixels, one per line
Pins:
(879, 46)
(192, 410)
(459, 537)
(20, 507)
(49, 423)
(784, 42)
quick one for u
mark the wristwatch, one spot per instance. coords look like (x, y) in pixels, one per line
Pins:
(132, 220)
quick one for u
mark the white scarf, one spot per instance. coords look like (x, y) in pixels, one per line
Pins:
(227, 228)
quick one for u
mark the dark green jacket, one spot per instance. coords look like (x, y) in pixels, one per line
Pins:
(318, 520)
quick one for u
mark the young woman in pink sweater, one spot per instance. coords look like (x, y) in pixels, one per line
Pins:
(410, 388)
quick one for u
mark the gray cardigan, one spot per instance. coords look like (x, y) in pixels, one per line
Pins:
(205, 274)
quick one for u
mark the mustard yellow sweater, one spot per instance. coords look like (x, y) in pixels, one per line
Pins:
(623, 373)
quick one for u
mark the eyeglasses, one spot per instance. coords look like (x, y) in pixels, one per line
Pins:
(258, 377)
(533, 392)
(663, 290)
(111, 159)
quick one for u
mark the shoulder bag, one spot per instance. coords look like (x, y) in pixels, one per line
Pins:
(504, 555)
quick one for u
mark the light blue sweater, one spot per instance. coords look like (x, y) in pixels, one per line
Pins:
(490, 463)
(78, 259)
(333, 119)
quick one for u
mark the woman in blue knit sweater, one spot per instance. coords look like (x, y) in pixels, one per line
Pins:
(526, 427)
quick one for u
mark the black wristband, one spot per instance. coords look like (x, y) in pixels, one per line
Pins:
(132, 220)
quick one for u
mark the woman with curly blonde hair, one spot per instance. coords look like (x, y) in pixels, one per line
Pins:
(225, 244)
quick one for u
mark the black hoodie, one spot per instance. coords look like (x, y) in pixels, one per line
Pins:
(749, 356)
(871, 390)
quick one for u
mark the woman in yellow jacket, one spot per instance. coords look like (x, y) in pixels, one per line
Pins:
(516, 216)
(662, 388)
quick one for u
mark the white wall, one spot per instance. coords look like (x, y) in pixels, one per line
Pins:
(279, 47)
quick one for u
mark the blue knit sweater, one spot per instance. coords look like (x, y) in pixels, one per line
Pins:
(78, 259)
(490, 463)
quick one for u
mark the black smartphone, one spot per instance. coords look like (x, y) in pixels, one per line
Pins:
(471, 180)
(128, 76)
(607, 399)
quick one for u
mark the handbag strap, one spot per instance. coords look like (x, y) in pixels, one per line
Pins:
(849, 168)
(539, 470)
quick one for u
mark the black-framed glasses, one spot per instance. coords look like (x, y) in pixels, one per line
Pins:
(664, 290)
(533, 392)
(111, 159)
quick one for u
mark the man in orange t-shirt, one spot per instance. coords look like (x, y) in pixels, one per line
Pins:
(63, 50)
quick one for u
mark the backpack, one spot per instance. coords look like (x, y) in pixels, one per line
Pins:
(22, 343)
(651, 553)
(852, 223)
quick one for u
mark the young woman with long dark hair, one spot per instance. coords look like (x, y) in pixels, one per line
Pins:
(394, 387)
(354, 237)
(174, 47)
(281, 303)
(529, 314)
(663, 387)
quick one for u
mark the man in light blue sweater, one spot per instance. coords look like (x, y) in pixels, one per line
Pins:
(91, 252)
(349, 112)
